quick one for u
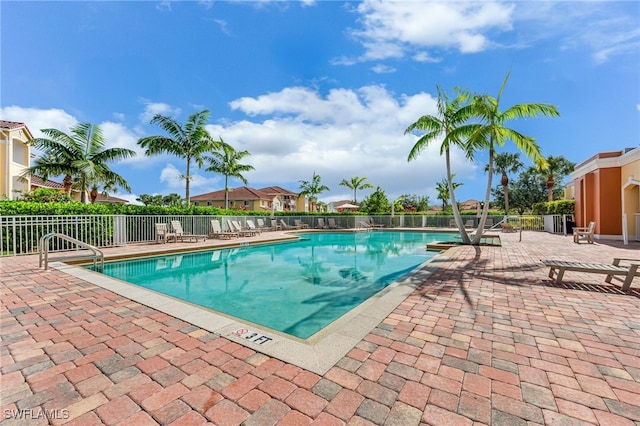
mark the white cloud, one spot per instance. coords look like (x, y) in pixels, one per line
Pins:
(153, 108)
(174, 180)
(37, 119)
(393, 29)
(383, 69)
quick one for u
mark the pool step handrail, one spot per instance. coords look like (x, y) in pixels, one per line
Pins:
(43, 250)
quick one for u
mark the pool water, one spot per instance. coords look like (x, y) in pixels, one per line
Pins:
(294, 287)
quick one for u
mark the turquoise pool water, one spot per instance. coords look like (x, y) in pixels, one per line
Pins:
(294, 287)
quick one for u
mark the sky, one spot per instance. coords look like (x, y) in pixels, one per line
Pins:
(325, 87)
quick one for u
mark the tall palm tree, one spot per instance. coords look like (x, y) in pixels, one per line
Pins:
(312, 188)
(79, 156)
(189, 141)
(356, 183)
(505, 163)
(451, 115)
(227, 163)
(491, 132)
(557, 167)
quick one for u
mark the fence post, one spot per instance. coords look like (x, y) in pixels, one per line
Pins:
(119, 230)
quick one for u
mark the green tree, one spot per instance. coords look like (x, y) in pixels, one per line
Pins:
(557, 169)
(172, 200)
(409, 203)
(356, 183)
(312, 188)
(227, 163)
(46, 195)
(442, 188)
(150, 200)
(492, 132)
(79, 156)
(506, 163)
(189, 141)
(376, 202)
(451, 115)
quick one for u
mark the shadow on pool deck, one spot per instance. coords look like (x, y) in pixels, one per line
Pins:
(485, 339)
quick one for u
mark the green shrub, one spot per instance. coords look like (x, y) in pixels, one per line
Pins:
(554, 207)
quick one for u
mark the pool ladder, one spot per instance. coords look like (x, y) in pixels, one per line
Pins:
(43, 251)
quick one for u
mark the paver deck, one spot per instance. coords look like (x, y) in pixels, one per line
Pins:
(487, 339)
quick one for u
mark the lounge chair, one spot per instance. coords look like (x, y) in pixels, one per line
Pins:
(488, 223)
(162, 233)
(284, 226)
(452, 223)
(300, 225)
(332, 224)
(470, 223)
(217, 232)
(262, 226)
(321, 224)
(252, 227)
(275, 225)
(584, 233)
(235, 227)
(365, 225)
(180, 234)
(630, 271)
(372, 224)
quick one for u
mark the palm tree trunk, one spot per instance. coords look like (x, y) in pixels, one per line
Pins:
(505, 189)
(550, 183)
(454, 204)
(226, 192)
(67, 182)
(487, 197)
(188, 179)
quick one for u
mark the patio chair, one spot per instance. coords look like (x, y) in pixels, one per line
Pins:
(162, 233)
(321, 224)
(372, 224)
(180, 234)
(299, 224)
(488, 223)
(284, 226)
(262, 226)
(452, 223)
(235, 226)
(332, 224)
(275, 225)
(559, 267)
(470, 223)
(252, 227)
(584, 233)
(365, 225)
(217, 232)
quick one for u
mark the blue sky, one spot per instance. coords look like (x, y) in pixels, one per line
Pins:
(320, 86)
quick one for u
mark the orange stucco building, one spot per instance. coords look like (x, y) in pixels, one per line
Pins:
(606, 188)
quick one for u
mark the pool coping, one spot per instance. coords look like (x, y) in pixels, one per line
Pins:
(318, 354)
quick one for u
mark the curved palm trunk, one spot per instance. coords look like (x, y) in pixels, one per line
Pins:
(485, 209)
(454, 204)
(94, 195)
(550, 183)
(67, 182)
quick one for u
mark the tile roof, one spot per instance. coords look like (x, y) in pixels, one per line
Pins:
(241, 193)
(14, 125)
(38, 181)
(277, 190)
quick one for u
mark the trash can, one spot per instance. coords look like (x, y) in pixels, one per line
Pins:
(570, 226)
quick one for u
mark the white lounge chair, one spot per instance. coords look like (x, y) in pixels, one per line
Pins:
(321, 224)
(235, 226)
(584, 233)
(332, 224)
(558, 267)
(299, 224)
(372, 224)
(162, 233)
(217, 232)
(275, 225)
(262, 226)
(252, 227)
(180, 234)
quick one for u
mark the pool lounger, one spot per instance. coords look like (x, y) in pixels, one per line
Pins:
(559, 267)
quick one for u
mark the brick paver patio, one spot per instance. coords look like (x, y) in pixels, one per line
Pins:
(487, 339)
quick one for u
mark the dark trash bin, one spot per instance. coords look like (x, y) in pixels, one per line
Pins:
(570, 226)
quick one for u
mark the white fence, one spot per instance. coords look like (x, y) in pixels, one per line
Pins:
(20, 234)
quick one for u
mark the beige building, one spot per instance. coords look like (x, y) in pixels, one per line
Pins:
(15, 155)
(272, 198)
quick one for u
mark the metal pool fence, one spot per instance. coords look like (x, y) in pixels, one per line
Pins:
(20, 234)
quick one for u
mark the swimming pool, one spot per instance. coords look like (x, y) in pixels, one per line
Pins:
(296, 287)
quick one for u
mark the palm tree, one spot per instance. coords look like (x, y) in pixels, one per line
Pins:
(227, 163)
(80, 157)
(312, 188)
(356, 183)
(189, 141)
(557, 167)
(443, 190)
(492, 132)
(451, 114)
(506, 163)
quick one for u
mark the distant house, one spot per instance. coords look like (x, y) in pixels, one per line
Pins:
(38, 182)
(15, 154)
(246, 198)
(606, 189)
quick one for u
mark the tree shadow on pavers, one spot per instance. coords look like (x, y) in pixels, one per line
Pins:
(632, 246)
(594, 288)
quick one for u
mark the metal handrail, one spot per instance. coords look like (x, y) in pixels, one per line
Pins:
(43, 250)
